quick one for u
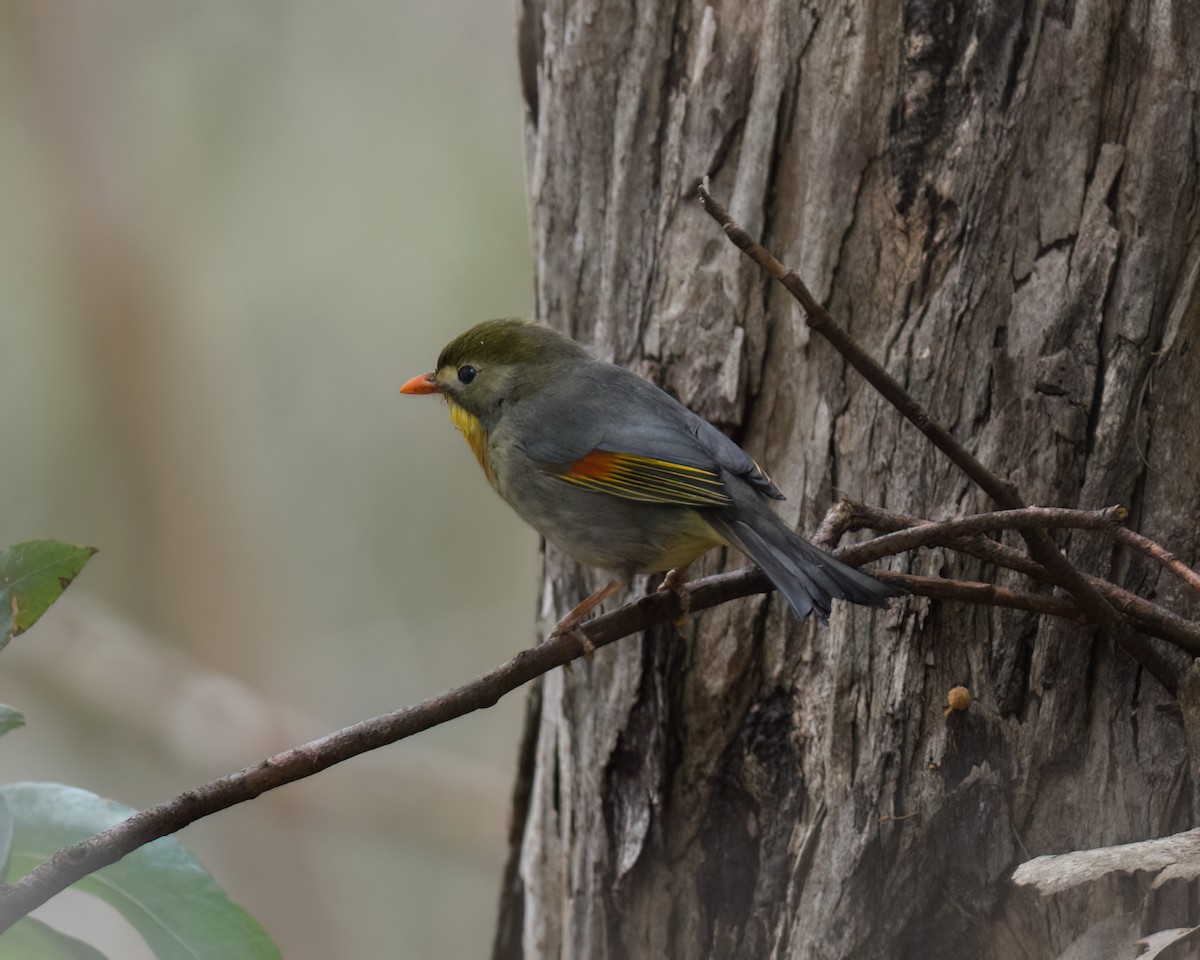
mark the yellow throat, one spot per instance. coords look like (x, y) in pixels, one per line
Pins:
(472, 430)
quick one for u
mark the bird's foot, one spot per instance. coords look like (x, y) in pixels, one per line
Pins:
(673, 583)
(568, 628)
(585, 644)
(569, 625)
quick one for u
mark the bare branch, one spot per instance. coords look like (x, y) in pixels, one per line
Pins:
(1156, 552)
(849, 515)
(1146, 616)
(928, 533)
(985, 594)
(1003, 492)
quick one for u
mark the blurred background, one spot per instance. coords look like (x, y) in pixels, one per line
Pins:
(229, 232)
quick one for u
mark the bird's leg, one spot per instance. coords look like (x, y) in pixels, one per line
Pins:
(570, 623)
(673, 583)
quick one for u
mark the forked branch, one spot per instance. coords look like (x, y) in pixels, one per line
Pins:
(1042, 549)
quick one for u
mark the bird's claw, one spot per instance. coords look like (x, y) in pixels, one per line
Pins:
(574, 633)
(585, 643)
(673, 583)
(568, 628)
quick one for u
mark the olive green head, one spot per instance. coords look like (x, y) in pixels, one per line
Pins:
(509, 342)
(498, 360)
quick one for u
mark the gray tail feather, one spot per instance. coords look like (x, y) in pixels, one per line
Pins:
(809, 577)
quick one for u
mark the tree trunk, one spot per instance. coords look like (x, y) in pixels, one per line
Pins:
(999, 200)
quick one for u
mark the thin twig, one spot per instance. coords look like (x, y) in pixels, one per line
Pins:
(852, 515)
(1159, 553)
(1147, 617)
(984, 594)
(818, 318)
(848, 514)
(928, 533)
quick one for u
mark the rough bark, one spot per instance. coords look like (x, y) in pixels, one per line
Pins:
(1000, 201)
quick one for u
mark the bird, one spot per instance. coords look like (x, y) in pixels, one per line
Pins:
(618, 473)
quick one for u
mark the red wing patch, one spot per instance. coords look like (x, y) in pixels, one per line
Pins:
(647, 479)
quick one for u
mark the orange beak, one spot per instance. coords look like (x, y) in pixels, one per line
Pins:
(425, 383)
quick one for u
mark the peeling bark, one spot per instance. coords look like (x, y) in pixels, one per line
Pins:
(1000, 202)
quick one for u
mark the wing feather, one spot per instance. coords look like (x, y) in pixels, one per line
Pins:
(646, 479)
(605, 429)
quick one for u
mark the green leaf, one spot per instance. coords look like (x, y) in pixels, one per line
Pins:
(6, 832)
(160, 888)
(10, 719)
(30, 939)
(32, 576)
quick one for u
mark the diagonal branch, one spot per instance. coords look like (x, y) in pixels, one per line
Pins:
(1161, 555)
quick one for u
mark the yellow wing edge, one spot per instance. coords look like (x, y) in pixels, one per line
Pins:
(646, 479)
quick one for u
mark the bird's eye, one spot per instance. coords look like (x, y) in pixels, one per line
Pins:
(466, 373)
